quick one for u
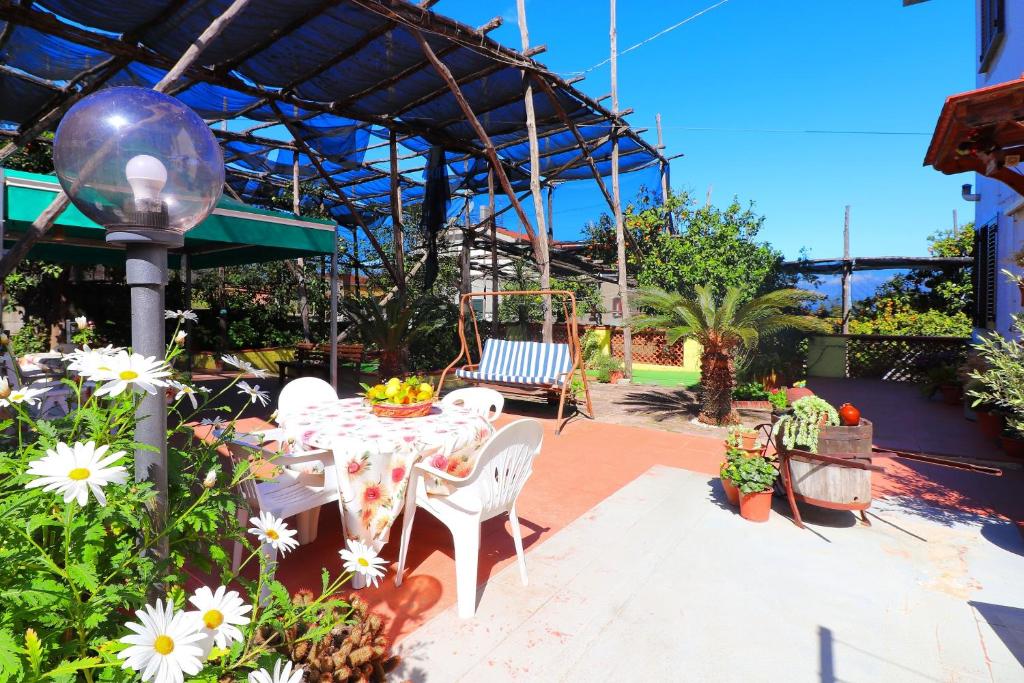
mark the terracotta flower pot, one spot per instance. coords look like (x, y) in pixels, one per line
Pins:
(754, 507)
(990, 424)
(796, 393)
(614, 376)
(748, 442)
(950, 394)
(732, 494)
(1013, 446)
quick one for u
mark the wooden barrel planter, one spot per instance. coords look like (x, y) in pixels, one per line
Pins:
(831, 485)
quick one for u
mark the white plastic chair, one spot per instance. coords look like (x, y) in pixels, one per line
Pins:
(302, 393)
(492, 488)
(288, 494)
(480, 400)
(56, 402)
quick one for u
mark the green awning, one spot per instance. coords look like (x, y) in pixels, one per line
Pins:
(233, 234)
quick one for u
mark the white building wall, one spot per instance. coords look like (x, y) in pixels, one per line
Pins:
(998, 202)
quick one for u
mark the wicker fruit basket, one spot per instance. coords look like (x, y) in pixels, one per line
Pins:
(401, 410)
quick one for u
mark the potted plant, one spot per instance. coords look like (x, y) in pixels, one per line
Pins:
(779, 401)
(797, 391)
(998, 385)
(743, 437)
(802, 426)
(1012, 439)
(755, 477)
(605, 368)
(945, 379)
(729, 472)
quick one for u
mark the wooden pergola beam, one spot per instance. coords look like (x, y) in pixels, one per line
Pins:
(485, 139)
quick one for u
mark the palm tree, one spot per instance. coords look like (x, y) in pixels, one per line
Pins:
(394, 327)
(724, 328)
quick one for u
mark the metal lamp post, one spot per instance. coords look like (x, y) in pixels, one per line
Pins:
(148, 169)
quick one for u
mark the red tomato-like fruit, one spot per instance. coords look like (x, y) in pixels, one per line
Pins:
(848, 415)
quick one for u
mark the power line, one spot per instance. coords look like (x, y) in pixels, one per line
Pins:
(701, 129)
(643, 42)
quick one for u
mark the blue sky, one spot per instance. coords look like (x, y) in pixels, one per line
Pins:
(791, 66)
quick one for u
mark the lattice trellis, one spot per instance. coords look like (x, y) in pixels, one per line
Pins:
(901, 359)
(649, 347)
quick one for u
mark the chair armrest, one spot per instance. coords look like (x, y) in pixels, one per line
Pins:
(433, 471)
(287, 459)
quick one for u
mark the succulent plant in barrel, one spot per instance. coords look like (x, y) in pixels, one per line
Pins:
(802, 426)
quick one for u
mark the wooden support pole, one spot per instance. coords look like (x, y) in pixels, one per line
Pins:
(664, 177)
(466, 248)
(620, 231)
(397, 232)
(332, 333)
(481, 134)
(538, 199)
(42, 224)
(492, 219)
(847, 272)
(551, 212)
(300, 263)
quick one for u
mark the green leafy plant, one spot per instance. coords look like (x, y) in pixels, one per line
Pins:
(939, 376)
(602, 366)
(83, 549)
(999, 383)
(750, 391)
(392, 328)
(724, 327)
(753, 475)
(802, 426)
(779, 400)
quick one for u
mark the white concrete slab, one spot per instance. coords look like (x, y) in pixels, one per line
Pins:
(664, 582)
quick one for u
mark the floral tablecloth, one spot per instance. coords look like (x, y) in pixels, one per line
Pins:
(373, 456)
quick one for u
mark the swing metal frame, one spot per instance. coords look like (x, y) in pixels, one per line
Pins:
(572, 339)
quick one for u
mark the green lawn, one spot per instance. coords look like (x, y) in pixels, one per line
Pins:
(666, 377)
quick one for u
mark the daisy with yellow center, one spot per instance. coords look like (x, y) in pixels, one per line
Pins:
(133, 372)
(74, 471)
(274, 532)
(282, 673)
(164, 644)
(219, 614)
(26, 395)
(359, 558)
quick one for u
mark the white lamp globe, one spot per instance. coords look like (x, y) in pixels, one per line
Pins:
(139, 163)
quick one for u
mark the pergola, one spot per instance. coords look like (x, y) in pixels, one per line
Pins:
(339, 102)
(347, 96)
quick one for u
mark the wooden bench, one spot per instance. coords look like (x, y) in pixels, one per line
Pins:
(315, 361)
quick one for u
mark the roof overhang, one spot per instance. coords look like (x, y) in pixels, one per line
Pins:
(982, 131)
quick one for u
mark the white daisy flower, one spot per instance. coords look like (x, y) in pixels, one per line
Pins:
(82, 322)
(165, 644)
(24, 395)
(179, 338)
(245, 366)
(211, 479)
(254, 393)
(282, 674)
(269, 529)
(131, 371)
(87, 360)
(75, 470)
(220, 613)
(359, 558)
(184, 390)
(181, 316)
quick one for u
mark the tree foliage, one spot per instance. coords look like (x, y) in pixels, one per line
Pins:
(711, 246)
(923, 302)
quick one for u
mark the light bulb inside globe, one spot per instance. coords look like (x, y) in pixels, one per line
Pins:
(147, 176)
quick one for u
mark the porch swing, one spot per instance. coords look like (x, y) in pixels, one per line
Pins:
(518, 366)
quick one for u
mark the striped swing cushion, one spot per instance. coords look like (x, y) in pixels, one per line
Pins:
(521, 362)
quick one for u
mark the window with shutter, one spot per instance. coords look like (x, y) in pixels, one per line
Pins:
(985, 276)
(993, 28)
